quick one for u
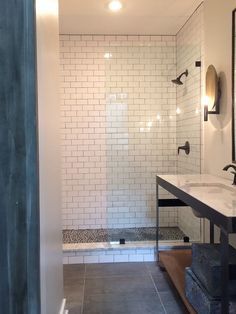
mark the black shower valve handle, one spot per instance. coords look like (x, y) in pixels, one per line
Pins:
(185, 147)
(181, 147)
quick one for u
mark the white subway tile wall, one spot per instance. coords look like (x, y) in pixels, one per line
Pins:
(110, 256)
(189, 120)
(118, 111)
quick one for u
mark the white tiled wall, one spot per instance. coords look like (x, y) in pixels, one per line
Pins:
(188, 128)
(118, 128)
(109, 256)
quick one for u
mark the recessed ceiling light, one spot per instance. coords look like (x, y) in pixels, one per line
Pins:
(115, 5)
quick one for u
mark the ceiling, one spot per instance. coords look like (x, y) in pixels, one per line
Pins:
(137, 17)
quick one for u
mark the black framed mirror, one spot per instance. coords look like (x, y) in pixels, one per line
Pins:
(234, 86)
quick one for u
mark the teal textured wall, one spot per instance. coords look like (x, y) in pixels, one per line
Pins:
(19, 205)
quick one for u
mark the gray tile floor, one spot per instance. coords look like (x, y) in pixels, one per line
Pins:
(119, 288)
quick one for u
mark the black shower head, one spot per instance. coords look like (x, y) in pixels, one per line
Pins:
(178, 81)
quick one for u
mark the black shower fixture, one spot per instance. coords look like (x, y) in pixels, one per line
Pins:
(178, 81)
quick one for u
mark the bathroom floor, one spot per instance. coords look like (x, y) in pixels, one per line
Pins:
(119, 288)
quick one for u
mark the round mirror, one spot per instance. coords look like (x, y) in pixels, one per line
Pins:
(212, 86)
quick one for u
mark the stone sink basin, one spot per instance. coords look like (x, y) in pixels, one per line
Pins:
(213, 191)
(209, 188)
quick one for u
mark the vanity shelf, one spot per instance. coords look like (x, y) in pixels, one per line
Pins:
(175, 262)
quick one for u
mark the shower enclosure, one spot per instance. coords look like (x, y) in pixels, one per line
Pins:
(124, 131)
(122, 121)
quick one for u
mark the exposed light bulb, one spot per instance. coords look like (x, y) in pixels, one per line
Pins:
(206, 100)
(115, 5)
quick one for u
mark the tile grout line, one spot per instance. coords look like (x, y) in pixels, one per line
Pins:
(82, 305)
(150, 275)
(117, 276)
(158, 293)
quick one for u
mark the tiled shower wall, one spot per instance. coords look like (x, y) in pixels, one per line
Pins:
(188, 128)
(118, 128)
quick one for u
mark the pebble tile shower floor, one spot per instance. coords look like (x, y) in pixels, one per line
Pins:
(114, 235)
(121, 288)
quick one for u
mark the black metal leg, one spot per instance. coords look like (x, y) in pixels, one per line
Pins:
(157, 223)
(212, 240)
(224, 250)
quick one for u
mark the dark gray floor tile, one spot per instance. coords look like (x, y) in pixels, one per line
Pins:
(162, 282)
(71, 285)
(74, 287)
(125, 288)
(123, 304)
(74, 292)
(172, 302)
(153, 268)
(73, 275)
(119, 285)
(74, 270)
(115, 269)
(74, 307)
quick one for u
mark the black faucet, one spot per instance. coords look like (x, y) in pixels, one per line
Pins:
(233, 172)
(186, 148)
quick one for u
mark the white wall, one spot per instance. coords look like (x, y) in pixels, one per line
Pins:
(218, 51)
(49, 160)
(118, 129)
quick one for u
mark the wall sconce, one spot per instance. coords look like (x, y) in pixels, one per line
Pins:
(213, 93)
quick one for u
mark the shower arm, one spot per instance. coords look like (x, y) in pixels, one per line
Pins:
(184, 73)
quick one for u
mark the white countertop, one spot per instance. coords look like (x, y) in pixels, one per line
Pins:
(215, 192)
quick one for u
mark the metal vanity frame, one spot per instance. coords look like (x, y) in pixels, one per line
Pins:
(227, 225)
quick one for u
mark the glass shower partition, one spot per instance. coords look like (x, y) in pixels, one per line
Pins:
(189, 115)
(140, 135)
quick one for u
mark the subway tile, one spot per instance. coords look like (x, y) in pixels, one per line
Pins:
(117, 101)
